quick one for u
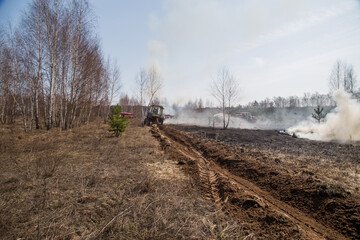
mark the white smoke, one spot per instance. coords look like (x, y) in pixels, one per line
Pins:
(342, 124)
(189, 117)
(213, 118)
(206, 119)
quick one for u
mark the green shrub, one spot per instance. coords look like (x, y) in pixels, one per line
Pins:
(117, 123)
(318, 115)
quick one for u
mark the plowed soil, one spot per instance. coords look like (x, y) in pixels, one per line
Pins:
(279, 187)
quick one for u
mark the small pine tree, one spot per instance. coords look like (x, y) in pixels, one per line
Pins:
(318, 115)
(117, 123)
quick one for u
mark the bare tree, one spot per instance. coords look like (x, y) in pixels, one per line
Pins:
(141, 81)
(7, 85)
(225, 90)
(265, 103)
(17, 75)
(293, 101)
(279, 102)
(33, 34)
(200, 105)
(335, 77)
(2, 79)
(305, 100)
(64, 61)
(350, 79)
(76, 35)
(343, 77)
(114, 81)
(52, 27)
(124, 100)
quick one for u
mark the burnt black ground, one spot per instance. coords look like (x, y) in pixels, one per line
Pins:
(319, 178)
(274, 141)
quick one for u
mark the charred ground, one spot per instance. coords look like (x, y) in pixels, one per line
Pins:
(318, 178)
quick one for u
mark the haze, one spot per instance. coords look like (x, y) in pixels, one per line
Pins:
(274, 48)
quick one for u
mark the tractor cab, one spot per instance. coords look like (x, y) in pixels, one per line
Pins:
(156, 110)
(154, 115)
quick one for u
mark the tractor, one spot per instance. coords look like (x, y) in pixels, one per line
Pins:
(154, 114)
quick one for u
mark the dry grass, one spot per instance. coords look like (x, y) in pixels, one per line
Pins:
(85, 184)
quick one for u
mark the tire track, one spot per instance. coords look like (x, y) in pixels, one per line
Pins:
(208, 180)
(213, 179)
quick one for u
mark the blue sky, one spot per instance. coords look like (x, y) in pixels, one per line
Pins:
(273, 48)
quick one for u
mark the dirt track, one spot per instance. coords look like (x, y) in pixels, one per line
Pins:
(274, 196)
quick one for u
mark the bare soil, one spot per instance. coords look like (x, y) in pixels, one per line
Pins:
(280, 187)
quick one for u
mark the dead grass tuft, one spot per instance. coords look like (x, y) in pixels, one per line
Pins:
(83, 184)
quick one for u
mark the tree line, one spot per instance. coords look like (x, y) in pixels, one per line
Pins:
(341, 77)
(225, 90)
(52, 70)
(307, 100)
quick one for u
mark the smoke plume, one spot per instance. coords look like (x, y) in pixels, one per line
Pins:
(281, 119)
(208, 118)
(342, 124)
